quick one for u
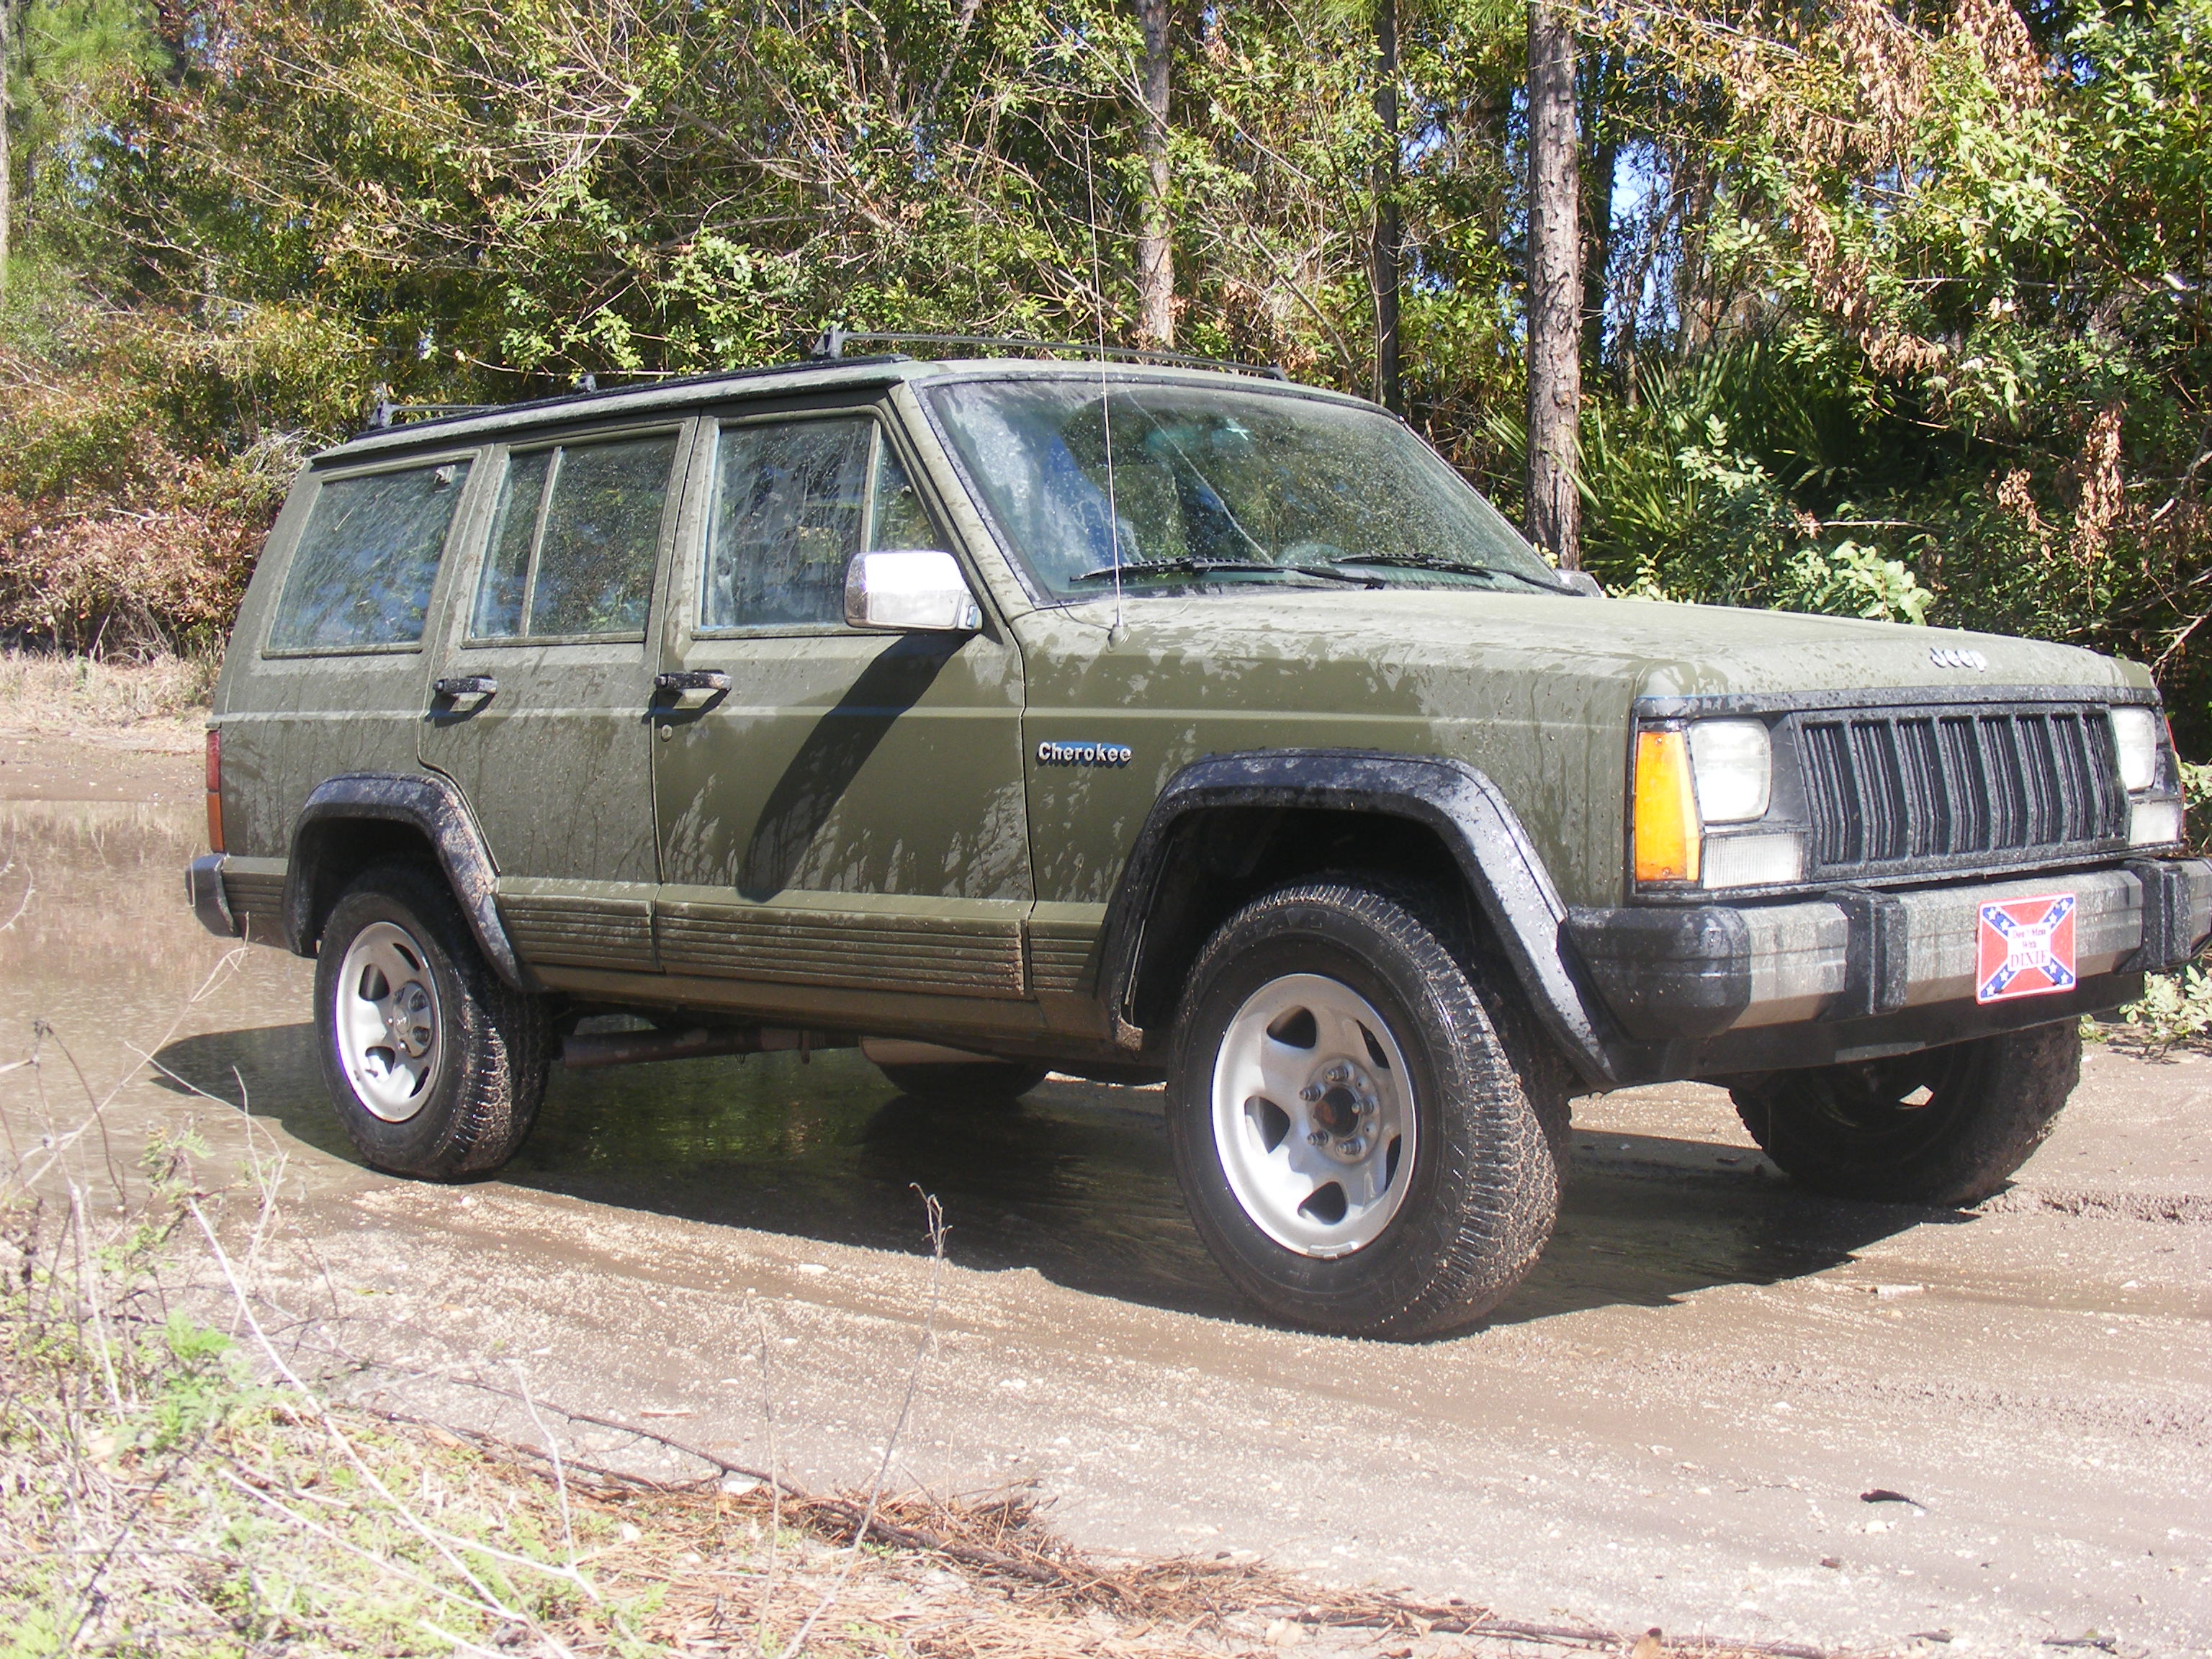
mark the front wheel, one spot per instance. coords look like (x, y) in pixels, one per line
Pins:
(1354, 1141)
(435, 1067)
(1941, 1126)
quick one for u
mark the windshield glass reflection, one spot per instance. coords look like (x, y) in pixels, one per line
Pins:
(1222, 486)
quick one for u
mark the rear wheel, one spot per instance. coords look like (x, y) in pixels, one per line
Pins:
(1354, 1140)
(435, 1067)
(1942, 1125)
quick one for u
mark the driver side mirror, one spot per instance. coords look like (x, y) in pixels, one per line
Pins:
(909, 591)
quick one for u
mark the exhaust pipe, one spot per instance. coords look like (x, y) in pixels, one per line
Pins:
(585, 1054)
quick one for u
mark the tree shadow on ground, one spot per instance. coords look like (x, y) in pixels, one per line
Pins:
(1074, 1182)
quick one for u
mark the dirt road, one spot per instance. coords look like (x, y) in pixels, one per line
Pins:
(1672, 1424)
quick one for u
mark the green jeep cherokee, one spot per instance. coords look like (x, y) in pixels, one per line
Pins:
(996, 716)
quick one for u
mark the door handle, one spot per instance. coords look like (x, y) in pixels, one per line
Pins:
(692, 679)
(464, 685)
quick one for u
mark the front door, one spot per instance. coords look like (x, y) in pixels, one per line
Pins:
(839, 811)
(541, 704)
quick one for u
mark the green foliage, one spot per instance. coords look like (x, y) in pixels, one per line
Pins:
(203, 1383)
(1905, 311)
(2174, 1012)
(1680, 508)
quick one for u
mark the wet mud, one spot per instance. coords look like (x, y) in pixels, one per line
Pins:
(1670, 1422)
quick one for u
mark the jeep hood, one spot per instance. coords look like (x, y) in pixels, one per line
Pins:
(1642, 647)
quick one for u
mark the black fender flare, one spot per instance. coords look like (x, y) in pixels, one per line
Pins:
(1468, 813)
(428, 802)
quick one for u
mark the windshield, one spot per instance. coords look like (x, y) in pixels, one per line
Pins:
(1222, 486)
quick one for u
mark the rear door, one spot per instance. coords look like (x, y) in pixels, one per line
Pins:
(540, 704)
(837, 809)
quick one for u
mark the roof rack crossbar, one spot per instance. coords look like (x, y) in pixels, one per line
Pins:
(829, 347)
(389, 414)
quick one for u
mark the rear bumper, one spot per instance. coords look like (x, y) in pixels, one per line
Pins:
(1716, 986)
(204, 892)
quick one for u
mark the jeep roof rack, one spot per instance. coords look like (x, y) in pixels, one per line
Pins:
(389, 414)
(829, 347)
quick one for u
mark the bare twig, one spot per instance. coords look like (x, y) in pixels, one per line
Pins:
(933, 1213)
(774, 1486)
(553, 1457)
(23, 901)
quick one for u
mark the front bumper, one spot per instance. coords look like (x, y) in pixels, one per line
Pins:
(1715, 988)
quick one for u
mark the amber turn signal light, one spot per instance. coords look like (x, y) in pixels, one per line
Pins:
(1668, 835)
(215, 789)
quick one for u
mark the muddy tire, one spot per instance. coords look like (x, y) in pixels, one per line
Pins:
(1944, 1126)
(1352, 1137)
(988, 1081)
(435, 1067)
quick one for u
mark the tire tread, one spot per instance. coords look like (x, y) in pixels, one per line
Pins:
(501, 1039)
(1501, 1182)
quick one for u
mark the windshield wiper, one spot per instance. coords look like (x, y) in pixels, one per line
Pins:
(1453, 566)
(1192, 565)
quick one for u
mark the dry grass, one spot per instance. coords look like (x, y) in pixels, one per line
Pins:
(43, 691)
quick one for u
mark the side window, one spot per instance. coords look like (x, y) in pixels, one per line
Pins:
(362, 573)
(572, 541)
(793, 502)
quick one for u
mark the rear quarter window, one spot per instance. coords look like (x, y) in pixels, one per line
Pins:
(361, 572)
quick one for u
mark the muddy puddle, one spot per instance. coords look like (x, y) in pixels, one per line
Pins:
(1075, 1182)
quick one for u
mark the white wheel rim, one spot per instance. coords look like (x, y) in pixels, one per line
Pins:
(1316, 1138)
(387, 1020)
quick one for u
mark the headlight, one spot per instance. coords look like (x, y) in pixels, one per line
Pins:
(2135, 731)
(1703, 775)
(1734, 764)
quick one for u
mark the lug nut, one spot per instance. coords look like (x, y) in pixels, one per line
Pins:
(1354, 1147)
(1311, 1092)
(1318, 1137)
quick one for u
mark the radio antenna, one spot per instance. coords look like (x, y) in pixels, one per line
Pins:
(1118, 633)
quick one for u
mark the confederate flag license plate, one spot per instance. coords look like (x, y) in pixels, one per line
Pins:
(2026, 948)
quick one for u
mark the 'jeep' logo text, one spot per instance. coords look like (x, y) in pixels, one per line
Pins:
(1083, 754)
(1956, 656)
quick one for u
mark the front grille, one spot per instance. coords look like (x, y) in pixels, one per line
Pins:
(1923, 789)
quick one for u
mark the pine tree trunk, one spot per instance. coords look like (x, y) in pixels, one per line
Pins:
(1597, 266)
(1598, 88)
(8, 8)
(1555, 288)
(1389, 235)
(1154, 250)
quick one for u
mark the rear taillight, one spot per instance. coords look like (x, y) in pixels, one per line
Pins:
(215, 789)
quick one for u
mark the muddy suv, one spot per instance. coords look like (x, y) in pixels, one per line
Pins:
(1145, 722)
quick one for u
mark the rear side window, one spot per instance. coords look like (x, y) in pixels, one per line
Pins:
(572, 541)
(793, 502)
(360, 575)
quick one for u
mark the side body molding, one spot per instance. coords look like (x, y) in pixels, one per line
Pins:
(426, 802)
(1467, 811)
